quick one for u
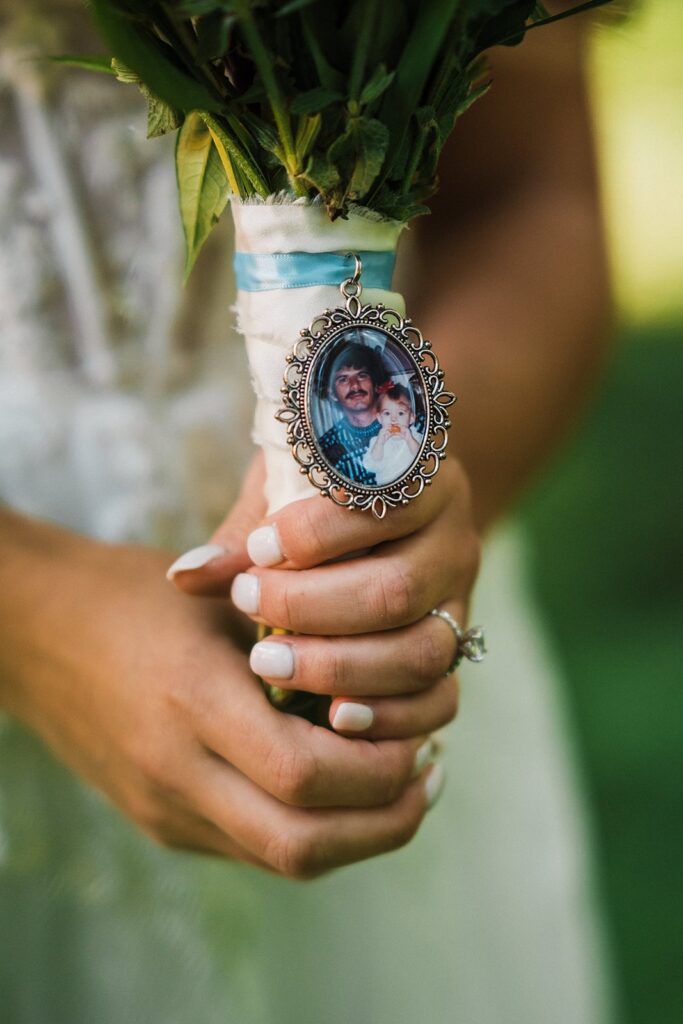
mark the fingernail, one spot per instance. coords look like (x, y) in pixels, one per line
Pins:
(434, 784)
(245, 593)
(263, 546)
(272, 659)
(423, 756)
(195, 559)
(351, 717)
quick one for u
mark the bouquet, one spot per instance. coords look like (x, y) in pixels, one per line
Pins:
(321, 124)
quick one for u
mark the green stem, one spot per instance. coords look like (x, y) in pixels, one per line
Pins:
(414, 161)
(361, 48)
(264, 65)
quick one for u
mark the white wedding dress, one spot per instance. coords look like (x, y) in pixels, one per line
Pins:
(123, 414)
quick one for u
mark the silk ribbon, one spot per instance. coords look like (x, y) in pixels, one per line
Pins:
(263, 272)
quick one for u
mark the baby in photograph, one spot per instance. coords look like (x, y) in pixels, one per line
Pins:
(394, 449)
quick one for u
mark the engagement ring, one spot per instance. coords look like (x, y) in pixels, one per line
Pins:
(470, 643)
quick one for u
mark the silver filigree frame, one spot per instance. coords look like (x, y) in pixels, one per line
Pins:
(323, 331)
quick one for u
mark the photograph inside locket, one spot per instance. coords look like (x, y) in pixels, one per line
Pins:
(367, 407)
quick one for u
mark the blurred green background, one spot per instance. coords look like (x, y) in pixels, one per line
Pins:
(605, 519)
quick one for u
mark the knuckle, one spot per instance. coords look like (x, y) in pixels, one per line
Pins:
(281, 602)
(304, 534)
(151, 819)
(149, 762)
(293, 771)
(294, 854)
(327, 670)
(160, 836)
(393, 775)
(392, 593)
(430, 653)
(159, 774)
(402, 831)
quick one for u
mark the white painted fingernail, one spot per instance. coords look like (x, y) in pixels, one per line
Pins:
(434, 784)
(351, 717)
(263, 546)
(245, 593)
(423, 756)
(195, 559)
(272, 659)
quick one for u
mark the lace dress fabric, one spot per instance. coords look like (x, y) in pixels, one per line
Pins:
(124, 412)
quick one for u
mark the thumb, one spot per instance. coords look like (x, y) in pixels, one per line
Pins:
(208, 570)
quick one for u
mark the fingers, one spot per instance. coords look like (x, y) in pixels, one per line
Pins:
(393, 587)
(208, 569)
(303, 843)
(399, 661)
(380, 718)
(390, 685)
(309, 532)
(296, 762)
(194, 834)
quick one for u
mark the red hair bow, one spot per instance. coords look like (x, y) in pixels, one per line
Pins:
(383, 388)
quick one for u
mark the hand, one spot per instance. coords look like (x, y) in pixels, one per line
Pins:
(149, 697)
(366, 638)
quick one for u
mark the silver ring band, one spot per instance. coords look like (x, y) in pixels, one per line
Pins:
(470, 643)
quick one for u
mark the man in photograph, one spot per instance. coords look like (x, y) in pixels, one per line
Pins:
(357, 373)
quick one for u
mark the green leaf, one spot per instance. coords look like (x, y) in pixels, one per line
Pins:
(102, 64)
(307, 132)
(314, 100)
(197, 8)
(590, 5)
(507, 26)
(243, 162)
(321, 174)
(213, 35)
(417, 61)
(161, 118)
(265, 135)
(124, 74)
(398, 207)
(328, 76)
(150, 59)
(359, 153)
(377, 84)
(293, 5)
(474, 93)
(202, 185)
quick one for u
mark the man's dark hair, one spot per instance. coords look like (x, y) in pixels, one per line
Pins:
(359, 357)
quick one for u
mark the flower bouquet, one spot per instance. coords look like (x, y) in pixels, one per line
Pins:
(321, 124)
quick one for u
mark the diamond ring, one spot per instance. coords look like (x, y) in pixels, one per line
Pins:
(470, 643)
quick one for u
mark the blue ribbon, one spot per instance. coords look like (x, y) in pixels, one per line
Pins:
(264, 272)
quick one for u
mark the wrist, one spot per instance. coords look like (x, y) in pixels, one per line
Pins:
(38, 569)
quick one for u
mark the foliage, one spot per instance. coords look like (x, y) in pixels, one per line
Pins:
(351, 101)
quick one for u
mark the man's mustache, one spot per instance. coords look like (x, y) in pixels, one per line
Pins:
(356, 394)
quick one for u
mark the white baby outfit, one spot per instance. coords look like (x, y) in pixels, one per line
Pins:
(396, 458)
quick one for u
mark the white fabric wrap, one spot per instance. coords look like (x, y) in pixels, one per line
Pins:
(271, 320)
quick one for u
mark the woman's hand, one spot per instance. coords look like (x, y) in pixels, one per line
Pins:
(366, 638)
(150, 697)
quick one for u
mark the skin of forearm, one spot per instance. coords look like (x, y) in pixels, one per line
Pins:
(518, 309)
(39, 593)
(509, 274)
